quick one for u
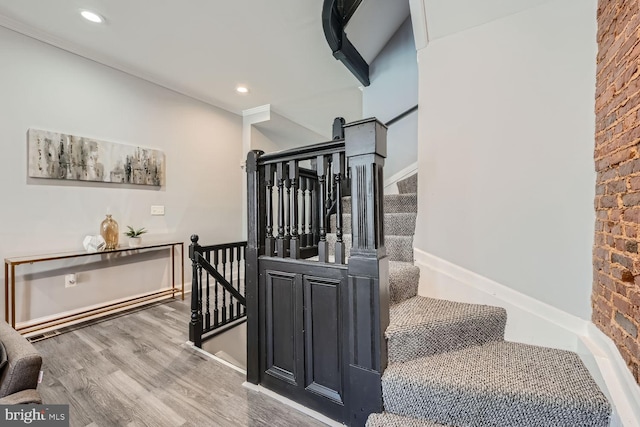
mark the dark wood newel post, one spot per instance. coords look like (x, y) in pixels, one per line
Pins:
(195, 324)
(255, 240)
(368, 270)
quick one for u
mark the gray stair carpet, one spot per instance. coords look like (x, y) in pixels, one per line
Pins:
(408, 185)
(392, 420)
(497, 384)
(396, 224)
(399, 248)
(423, 326)
(393, 203)
(448, 363)
(403, 281)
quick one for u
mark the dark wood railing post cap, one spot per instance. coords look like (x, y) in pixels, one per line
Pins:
(252, 160)
(192, 247)
(368, 136)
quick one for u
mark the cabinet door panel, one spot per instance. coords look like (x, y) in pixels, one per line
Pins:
(280, 326)
(323, 371)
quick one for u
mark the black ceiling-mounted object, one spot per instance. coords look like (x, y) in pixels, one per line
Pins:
(335, 15)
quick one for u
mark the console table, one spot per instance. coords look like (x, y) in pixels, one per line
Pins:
(105, 309)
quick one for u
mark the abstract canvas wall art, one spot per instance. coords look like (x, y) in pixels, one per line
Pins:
(69, 157)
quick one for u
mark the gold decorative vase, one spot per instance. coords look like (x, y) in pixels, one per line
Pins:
(109, 232)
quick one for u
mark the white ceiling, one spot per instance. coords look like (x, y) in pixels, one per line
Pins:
(204, 48)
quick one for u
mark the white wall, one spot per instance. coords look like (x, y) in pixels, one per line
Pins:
(393, 90)
(47, 88)
(506, 128)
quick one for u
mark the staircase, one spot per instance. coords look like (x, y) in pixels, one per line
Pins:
(448, 362)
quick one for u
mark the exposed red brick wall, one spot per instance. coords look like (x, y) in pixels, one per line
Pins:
(616, 288)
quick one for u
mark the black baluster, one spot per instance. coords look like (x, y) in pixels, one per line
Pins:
(323, 253)
(195, 324)
(313, 224)
(338, 170)
(200, 290)
(287, 208)
(231, 297)
(207, 316)
(294, 246)
(281, 242)
(269, 240)
(329, 182)
(240, 291)
(224, 290)
(244, 279)
(216, 311)
(303, 213)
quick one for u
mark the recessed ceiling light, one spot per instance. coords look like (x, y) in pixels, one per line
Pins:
(242, 89)
(92, 16)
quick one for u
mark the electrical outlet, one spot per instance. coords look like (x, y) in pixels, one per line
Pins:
(70, 280)
(157, 210)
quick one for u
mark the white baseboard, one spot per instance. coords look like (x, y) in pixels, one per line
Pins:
(622, 387)
(529, 320)
(390, 186)
(79, 311)
(534, 322)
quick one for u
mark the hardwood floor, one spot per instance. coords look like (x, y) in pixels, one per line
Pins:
(136, 370)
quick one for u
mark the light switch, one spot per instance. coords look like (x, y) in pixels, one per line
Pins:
(157, 210)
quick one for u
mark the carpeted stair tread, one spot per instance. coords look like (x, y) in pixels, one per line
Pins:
(399, 248)
(403, 281)
(408, 185)
(422, 326)
(498, 384)
(398, 223)
(392, 203)
(387, 419)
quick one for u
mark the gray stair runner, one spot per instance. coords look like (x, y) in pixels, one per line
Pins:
(399, 248)
(392, 420)
(403, 281)
(448, 362)
(408, 185)
(395, 224)
(393, 203)
(424, 326)
(497, 384)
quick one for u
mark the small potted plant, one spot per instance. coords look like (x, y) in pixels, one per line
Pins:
(135, 241)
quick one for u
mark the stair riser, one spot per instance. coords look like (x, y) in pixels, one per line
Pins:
(403, 284)
(465, 410)
(425, 326)
(408, 185)
(499, 383)
(393, 203)
(430, 339)
(395, 224)
(399, 248)
(392, 420)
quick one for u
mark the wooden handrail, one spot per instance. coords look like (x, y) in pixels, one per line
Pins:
(303, 153)
(204, 318)
(221, 280)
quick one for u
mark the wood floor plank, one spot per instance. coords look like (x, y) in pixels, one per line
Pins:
(136, 370)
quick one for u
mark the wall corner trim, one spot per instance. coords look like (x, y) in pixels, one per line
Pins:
(419, 22)
(620, 383)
